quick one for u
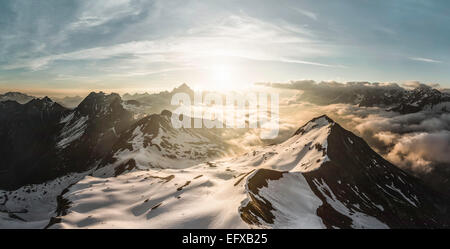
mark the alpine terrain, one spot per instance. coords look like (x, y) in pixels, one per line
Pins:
(95, 166)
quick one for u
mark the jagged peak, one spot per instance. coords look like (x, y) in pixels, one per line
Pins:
(101, 96)
(43, 100)
(99, 102)
(47, 99)
(44, 104)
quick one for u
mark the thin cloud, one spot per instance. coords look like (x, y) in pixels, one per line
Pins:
(310, 63)
(424, 60)
(308, 14)
(244, 36)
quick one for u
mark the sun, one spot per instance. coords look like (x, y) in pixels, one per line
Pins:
(223, 77)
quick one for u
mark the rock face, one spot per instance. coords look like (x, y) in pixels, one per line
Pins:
(46, 140)
(27, 133)
(90, 130)
(356, 187)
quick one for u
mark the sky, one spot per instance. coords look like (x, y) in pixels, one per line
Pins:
(71, 47)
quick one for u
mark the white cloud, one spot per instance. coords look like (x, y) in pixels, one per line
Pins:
(421, 150)
(424, 60)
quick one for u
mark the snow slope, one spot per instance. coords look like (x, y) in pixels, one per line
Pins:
(32, 206)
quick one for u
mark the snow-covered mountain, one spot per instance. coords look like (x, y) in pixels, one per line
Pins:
(16, 96)
(322, 177)
(392, 97)
(22, 98)
(350, 185)
(403, 100)
(423, 98)
(152, 142)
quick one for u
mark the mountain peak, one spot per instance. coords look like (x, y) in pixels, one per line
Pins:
(314, 123)
(355, 186)
(182, 88)
(101, 96)
(100, 103)
(321, 119)
(43, 101)
(14, 94)
(47, 99)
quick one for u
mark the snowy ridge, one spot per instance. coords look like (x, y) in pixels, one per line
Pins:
(154, 143)
(305, 151)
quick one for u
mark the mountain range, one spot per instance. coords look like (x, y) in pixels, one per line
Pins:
(22, 98)
(392, 97)
(96, 166)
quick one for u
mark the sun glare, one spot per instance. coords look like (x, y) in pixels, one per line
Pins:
(224, 77)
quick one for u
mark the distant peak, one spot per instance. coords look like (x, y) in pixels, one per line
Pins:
(47, 99)
(182, 88)
(93, 94)
(423, 86)
(184, 85)
(102, 95)
(14, 93)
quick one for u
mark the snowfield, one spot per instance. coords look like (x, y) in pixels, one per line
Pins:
(32, 206)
